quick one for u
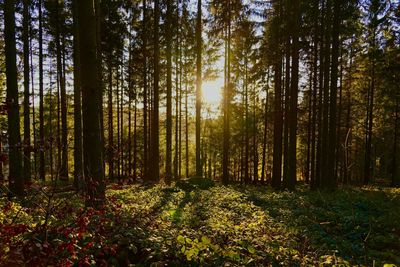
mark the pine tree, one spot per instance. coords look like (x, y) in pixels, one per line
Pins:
(27, 113)
(42, 171)
(91, 104)
(168, 165)
(78, 160)
(294, 89)
(199, 47)
(277, 67)
(154, 174)
(14, 137)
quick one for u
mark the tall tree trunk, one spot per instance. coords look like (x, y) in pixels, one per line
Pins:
(322, 63)
(255, 143)
(199, 48)
(331, 178)
(122, 146)
(59, 148)
(99, 21)
(338, 160)
(278, 125)
(395, 178)
(369, 121)
(27, 129)
(118, 154)
(129, 170)
(264, 149)
(145, 93)
(14, 138)
(180, 111)
(246, 126)
(91, 103)
(209, 173)
(155, 155)
(309, 126)
(176, 156)
(42, 170)
(347, 147)
(110, 122)
(63, 171)
(78, 153)
(135, 140)
(181, 70)
(186, 125)
(51, 139)
(34, 136)
(1, 162)
(325, 183)
(168, 164)
(242, 147)
(294, 90)
(286, 103)
(130, 94)
(177, 93)
(314, 106)
(227, 100)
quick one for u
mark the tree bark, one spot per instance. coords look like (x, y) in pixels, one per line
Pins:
(246, 127)
(278, 124)
(91, 103)
(63, 171)
(168, 163)
(314, 105)
(331, 178)
(145, 93)
(16, 185)
(154, 171)
(110, 122)
(78, 153)
(369, 121)
(255, 141)
(34, 136)
(325, 106)
(395, 178)
(42, 170)
(264, 149)
(294, 90)
(227, 100)
(27, 129)
(199, 47)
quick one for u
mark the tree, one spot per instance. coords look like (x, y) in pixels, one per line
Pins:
(27, 131)
(154, 172)
(168, 164)
(224, 14)
(376, 9)
(199, 48)
(331, 178)
(42, 171)
(78, 155)
(145, 93)
(294, 89)
(265, 133)
(301, 93)
(277, 66)
(91, 104)
(227, 97)
(14, 137)
(57, 28)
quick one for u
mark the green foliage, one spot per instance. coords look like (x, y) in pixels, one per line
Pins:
(207, 225)
(195, 182)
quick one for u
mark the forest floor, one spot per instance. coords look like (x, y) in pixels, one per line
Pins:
(198, 223)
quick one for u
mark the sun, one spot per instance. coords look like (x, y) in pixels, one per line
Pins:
(212, 91)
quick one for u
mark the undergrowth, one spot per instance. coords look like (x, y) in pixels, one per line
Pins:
(198, 223)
